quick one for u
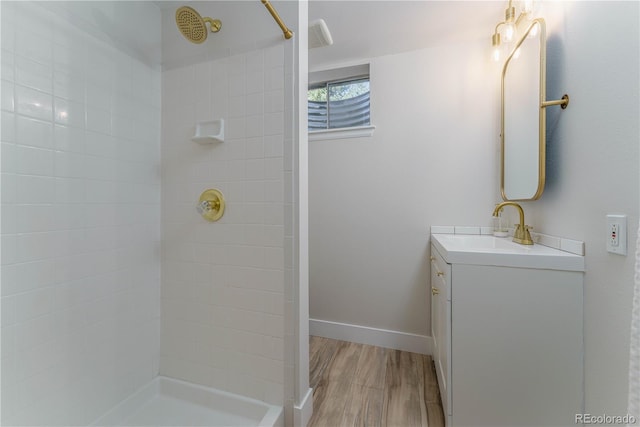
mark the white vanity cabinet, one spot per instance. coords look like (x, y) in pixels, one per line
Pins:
(508, 338)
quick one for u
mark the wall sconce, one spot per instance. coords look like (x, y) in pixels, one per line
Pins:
(506, 31)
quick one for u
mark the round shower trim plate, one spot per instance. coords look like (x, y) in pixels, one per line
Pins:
(214, 199)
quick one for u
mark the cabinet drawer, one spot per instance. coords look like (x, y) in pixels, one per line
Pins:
(440, 274)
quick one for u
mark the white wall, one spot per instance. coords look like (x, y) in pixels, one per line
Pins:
(431, 161)
(593, 55)
(299, 209)
(80, 215)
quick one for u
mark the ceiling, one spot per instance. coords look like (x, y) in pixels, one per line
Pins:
(368, 28)
(360, 28)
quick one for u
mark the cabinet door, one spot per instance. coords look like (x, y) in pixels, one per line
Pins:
(441, 325)
(516, 346)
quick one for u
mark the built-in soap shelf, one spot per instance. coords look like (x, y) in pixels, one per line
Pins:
(209, 132)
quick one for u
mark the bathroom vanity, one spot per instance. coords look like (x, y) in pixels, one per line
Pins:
(507, 328)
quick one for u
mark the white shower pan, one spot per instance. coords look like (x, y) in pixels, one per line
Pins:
(169, 402)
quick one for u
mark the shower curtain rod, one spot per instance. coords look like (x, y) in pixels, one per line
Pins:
(287, 32)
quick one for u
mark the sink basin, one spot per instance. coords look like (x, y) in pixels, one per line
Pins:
(490, 250)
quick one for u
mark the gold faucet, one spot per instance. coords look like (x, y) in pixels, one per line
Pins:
(521, 234)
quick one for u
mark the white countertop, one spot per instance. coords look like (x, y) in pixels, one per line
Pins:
(498, 251)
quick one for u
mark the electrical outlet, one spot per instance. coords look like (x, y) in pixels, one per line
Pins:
(617, 234)
(614, 235)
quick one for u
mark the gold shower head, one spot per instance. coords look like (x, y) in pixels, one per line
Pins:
(192, 25)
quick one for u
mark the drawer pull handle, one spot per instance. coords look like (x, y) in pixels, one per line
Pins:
(439, 273)
(435, 291)
(432, 258)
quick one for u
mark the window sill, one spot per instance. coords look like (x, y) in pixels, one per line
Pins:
(341, 133)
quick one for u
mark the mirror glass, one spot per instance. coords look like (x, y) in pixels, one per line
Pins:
(523, 133)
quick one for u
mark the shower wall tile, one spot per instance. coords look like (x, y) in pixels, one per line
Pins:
(35, 133)
(6, 94)
(69, 112)
(35, 46)
(255, 82)
(274, 101)
(6, 60)
(223, 282)
(80, 227)
(274, 146)
(68, 83)
(33, 103)
(237, 106)
(33, 74)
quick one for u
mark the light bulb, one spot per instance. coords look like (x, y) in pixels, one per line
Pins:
(495, 42)
(495, 54)
(508, 31)
(509, 28)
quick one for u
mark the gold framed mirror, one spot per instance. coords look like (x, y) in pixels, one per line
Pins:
(523, 127)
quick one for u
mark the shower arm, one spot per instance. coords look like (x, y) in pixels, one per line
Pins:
(287, 32)
(215, 24)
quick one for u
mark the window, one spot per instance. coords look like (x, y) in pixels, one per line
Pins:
(339, 104)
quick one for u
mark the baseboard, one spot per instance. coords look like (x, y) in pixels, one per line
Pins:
(302, 414)
(372, 336)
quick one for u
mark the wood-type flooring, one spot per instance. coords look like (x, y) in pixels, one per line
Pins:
(362, 385)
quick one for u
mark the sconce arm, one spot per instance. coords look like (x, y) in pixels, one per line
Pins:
(563, 103)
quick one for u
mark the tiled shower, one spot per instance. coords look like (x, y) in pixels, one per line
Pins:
(223, 283)
(109, 275)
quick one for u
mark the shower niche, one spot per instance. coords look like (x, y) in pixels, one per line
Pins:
(209, 132)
